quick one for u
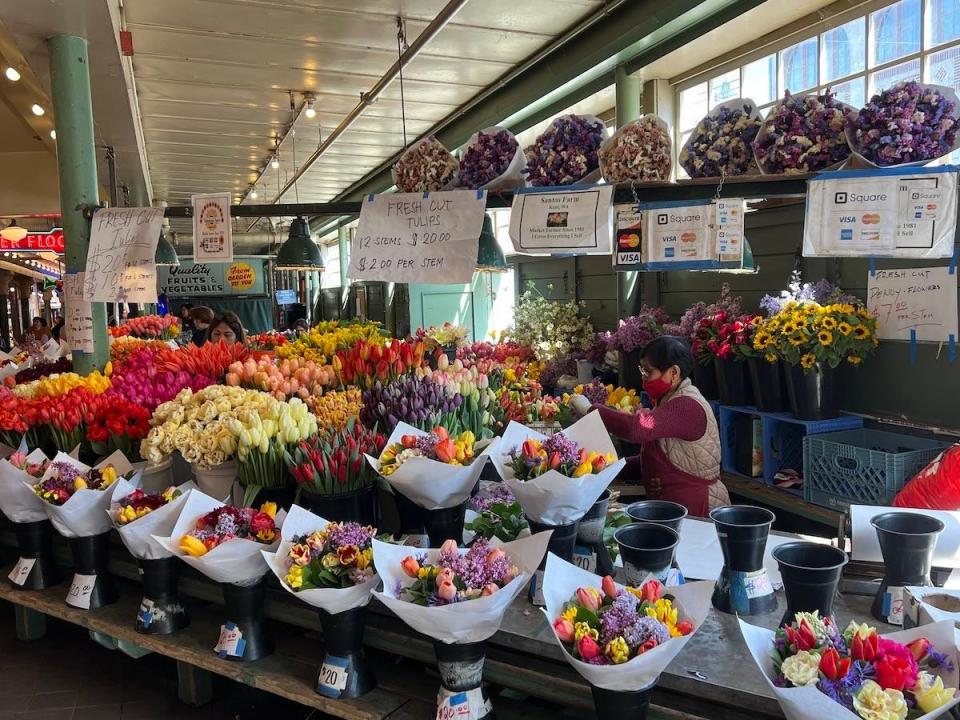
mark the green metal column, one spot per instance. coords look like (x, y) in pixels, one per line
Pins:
(77, 163)
(628, 109)
(343, 244)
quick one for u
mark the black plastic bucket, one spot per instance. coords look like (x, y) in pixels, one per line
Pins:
(767, 386)
(461, 674)
(907, 543)
(647, 549)
(661, 512)
(732, 381)
(243, 610)
(412, 516)
(813, 393)
(561, 543)
(632, 704)
(811, 575)
(359, 506)
(743, 586)
(35, 542)
(445, 524)
(161, 612)
(91, 579)
(344, 673)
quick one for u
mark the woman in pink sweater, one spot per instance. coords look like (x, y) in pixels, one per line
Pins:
(680, 456)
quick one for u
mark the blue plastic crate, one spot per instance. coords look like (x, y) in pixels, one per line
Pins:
(728, 416)
(783, 438)
(862, 467)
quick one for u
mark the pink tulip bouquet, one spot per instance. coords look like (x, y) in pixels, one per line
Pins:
(140, 380)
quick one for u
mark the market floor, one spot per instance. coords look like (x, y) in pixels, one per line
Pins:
(67, 676)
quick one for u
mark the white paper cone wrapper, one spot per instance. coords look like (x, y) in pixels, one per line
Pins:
(808, 703)
(236, 561)
(463, 622)
(18, 501)
(560, 582)
(553, 498)
(856, 147)
(333, 600)
(138, 535)
(86, 512)
(431, 484)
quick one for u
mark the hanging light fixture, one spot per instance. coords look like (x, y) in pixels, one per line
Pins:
(299, 252)
(275, 162)
(253, 193)
(166, 253)
(310, 112)
(490, 257)
(13, 232)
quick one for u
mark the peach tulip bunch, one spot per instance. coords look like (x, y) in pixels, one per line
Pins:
(289, 377)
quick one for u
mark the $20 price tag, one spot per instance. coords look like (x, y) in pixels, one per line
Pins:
(333, 676)
(20, 572)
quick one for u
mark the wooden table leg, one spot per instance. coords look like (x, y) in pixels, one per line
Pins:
(195, 685)
(31, 625)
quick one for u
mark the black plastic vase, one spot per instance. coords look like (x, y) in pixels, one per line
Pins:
(621, 704)
(590, 533)
(813, 393)
(743, 587)
(92, 586)
(344, 673)
(161, 612)
(811, 575)
(732, 384)
(661, 512)
(36, 568)
(765, 379)
(562, 541)
(705, 378)
(359, 506)
(245, 635)
(907, 542)
(411, 516)
(461, 681)
(445, 524)
(647, 549)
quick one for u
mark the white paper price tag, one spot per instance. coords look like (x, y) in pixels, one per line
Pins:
(333, 676)
(893, 605)
(585, 559)
(468, 705)
(231, 642)
(21, 571)
(80, 591)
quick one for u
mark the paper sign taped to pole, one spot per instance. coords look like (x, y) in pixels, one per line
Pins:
(78, 316)
(212, 232)
(555, 221)
(921, 300)
(121, 258)
(893, 212)
(418, 237)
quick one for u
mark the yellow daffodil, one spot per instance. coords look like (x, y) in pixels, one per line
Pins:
(295, 576)
(570, 613)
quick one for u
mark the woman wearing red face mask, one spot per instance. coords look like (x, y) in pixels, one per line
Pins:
(680, 456)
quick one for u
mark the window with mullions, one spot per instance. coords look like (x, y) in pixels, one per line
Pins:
(887, 44)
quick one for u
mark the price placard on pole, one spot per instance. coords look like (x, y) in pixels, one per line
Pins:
(78, 316)
(418, 238)
(917, 302)
(562, 220)
(893, 212)
(120, 260)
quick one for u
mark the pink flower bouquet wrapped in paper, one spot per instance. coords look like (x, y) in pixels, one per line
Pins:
(639, 151)
(426, 166)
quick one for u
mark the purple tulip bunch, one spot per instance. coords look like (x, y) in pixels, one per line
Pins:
(565, 152)
(410, 399)
(638, 330)
(907, 123)
(722, 143)
(487, 158)
(803, 134)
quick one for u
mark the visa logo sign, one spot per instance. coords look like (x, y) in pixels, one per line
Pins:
(848, 219)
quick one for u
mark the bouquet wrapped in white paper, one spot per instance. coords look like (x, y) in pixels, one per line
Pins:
(535, 468)
(817, 670)
(330, 567)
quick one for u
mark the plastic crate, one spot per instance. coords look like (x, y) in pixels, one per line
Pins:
(783, 439)
(730, 419)
(862, 467)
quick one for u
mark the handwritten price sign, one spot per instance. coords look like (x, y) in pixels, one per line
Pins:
(80, 591)
(21, 571)
(333, 676)
(922, 300)
(414, 238)
(120, 260)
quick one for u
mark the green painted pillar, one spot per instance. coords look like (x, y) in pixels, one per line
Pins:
(343, 245)
(627, 109)
(77, 163)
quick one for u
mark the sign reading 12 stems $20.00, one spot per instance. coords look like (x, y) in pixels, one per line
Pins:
(418, 237)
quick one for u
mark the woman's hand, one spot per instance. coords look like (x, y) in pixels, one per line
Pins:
(580, 404)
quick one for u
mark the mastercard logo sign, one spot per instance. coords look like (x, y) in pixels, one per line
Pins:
(870, 219)
(631, 240)
(688, 237)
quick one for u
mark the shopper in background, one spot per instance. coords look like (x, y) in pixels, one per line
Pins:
(202, 317)
(226, 327)
(680, 456)
(186, 322)
(57, 327)
(38, 331)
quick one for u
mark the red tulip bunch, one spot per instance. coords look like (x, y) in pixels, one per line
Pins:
(332, 461)
(114, 423)
(365, 363)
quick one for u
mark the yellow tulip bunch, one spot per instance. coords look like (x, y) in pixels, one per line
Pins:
(322, 341)
(60, 384)
(264, 420)
(334, 409)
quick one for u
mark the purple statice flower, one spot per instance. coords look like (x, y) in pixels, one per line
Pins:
(565, 152)
(597, 351)
(822, 292)
(906, 123)
(426, 166)
(638, 330)
(487, 158)
(803, 134)
(555, 369)
(560, 443)
(595, 392)
(350, 533)
(639, 151)
(722, 143)
(500, 494)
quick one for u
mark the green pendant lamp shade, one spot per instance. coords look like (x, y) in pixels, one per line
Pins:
(299, 252)
(166, 254)
(489, 255)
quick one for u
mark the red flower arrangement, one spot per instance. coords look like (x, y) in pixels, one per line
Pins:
(114, 423)
(723, 336)
(366, 362)
(210, 359)
(266, 341)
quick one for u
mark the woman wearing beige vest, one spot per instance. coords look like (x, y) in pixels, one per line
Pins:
(680, 456)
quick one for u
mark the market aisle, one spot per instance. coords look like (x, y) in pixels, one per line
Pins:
(67, 676)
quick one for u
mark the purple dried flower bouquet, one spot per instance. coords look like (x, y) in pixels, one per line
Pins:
(491, 155)
(565, 152)
(908, 123)
(803, 134)
(639, 151)
(722, 143)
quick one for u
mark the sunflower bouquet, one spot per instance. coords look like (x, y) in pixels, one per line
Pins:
(806, 332)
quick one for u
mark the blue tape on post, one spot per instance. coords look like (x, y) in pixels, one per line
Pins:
(953, 261)
(370, 197)
(480, 194)
(426, 195)
(913, 346)
(873, 267)
(952, 348)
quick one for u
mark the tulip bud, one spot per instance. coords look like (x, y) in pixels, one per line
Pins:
(564, 629)
(449, 547)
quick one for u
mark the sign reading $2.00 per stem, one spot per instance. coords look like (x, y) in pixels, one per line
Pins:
(418, 238)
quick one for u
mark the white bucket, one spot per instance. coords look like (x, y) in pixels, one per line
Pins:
(584, 371)
(157, 478)
(217, 482)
